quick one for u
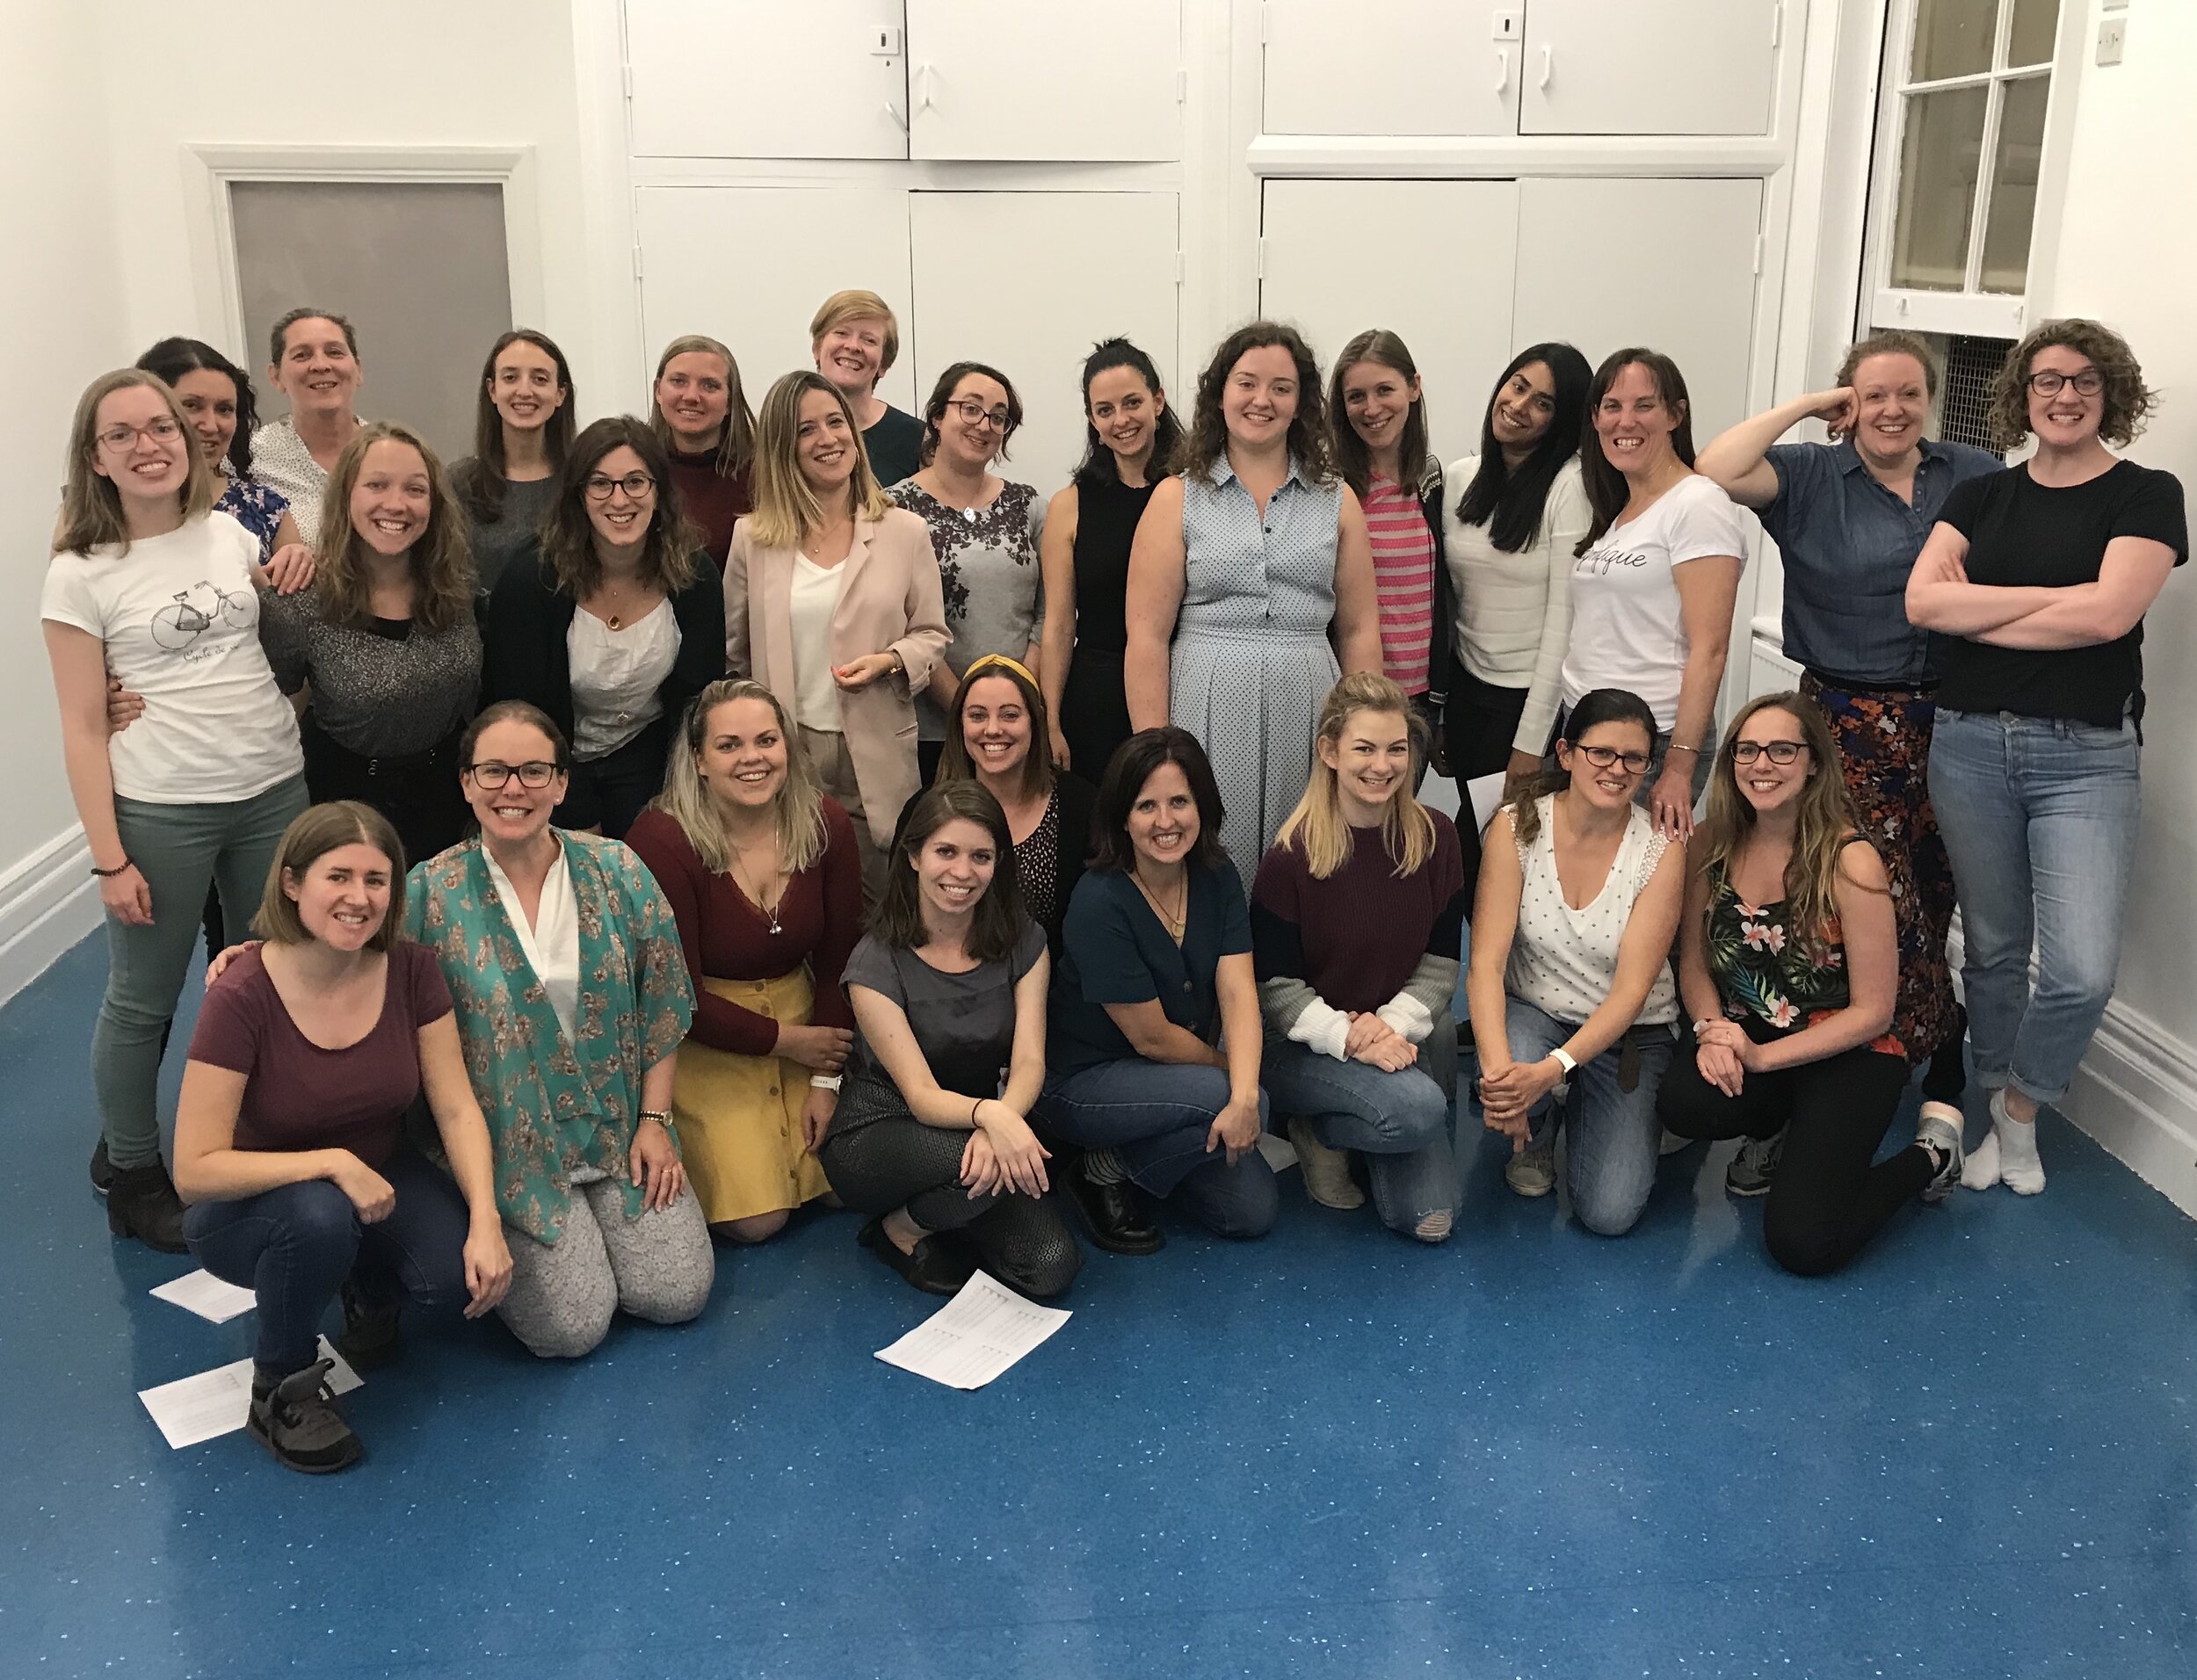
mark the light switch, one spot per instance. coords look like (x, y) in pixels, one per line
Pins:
(2112, 40)
(1509, 24)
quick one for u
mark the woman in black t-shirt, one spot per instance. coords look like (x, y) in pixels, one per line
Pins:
(2038, 578)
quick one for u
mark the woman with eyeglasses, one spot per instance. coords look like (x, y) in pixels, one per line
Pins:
(1569, 985)
(1788, 967)
(522, 431)
(985, 529)
(217, 400)
(613, 628)
(701, 416)
(2036, 580)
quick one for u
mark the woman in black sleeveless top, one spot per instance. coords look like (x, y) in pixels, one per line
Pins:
(1129, 445)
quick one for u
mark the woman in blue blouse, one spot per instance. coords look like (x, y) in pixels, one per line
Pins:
(1156, 966)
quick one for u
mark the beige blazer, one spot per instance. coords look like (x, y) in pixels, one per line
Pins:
(891, 602)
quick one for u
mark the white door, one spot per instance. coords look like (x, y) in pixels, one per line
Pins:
(767, 78)
(1649, 66)
(1325, 267)
(1045, 80)
(1027, 282)
(1392, 66)
(1667, 265)
(749, 265)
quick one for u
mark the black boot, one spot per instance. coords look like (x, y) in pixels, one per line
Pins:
(143, 1204)
(102, 1169)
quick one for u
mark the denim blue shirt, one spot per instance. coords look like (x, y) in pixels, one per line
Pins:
(1848, 544)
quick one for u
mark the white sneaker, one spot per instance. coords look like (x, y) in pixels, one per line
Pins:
(1327, 1179)
(1532, 1172)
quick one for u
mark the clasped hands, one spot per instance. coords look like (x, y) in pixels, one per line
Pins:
(1725, 1055)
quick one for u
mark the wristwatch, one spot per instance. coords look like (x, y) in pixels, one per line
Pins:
(1564, 1060)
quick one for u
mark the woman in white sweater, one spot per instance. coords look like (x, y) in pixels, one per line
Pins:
(1516, 511)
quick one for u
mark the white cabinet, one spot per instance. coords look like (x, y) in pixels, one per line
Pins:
(749, 265)
(1392, 66)
(1028, 282)
(1667, 265)
(766, 78)
(1027, 80)
(1327, 265)
(1649, 67)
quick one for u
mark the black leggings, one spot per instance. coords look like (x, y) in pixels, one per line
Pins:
(895, 1163)
(1826, 1198)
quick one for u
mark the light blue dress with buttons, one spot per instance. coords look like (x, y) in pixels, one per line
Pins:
(1251, 661)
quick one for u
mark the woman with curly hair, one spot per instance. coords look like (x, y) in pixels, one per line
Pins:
(2036, 580)
(1241, 567)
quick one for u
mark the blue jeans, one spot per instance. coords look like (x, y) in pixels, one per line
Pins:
(1610, 1157)
(1398, 1121)
(1156, 1118)
(2039, 816)
(295, 1247)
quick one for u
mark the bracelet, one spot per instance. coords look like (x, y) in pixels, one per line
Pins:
(1707, 1020)
(1675, 747)
(662, 1117)
(1564, 1060)
(108, 874)
(973, 1107)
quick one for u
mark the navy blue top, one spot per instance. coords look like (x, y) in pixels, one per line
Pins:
(1114, 951)
(1847, 545)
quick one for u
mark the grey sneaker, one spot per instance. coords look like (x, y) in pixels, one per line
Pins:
(1532, 1171)
(1754, 1167)
(1940, 1128)
(297, 1421)
(1326, 1171)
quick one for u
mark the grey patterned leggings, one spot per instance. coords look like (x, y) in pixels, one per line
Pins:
(565, 1293)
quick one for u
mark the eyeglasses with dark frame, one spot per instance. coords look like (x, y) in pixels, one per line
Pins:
(2049, 381)
(973, 413)
(1603, 757)
(492, 774)
(1778, 752)
(161, 428)
(599, 485)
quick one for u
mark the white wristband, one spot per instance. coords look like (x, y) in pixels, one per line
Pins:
(823, 1081)
(1564, 1060)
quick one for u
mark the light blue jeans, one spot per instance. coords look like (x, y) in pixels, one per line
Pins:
(1399, 1121)
(1611, 1151)
(2039, 816)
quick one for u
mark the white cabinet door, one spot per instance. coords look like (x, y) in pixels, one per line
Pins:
(1649, 67)
(1392, 66)
(1044, 80)
(767, 78)
(749, 265)
(1028, 282)
(1667, 265)
(1327, 267)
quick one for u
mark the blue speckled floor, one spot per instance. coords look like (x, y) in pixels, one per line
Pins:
(1532, 1452)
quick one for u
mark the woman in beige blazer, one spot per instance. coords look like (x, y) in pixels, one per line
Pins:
(832, 602)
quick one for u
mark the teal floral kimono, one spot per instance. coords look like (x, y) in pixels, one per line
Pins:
(553, 1106)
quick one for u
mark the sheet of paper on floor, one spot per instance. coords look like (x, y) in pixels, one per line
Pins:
(192, 1409)
(212, 1300)
(975, 1336)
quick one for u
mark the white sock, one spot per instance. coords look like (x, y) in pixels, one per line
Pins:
(1981, 1171)
(2018, 1167)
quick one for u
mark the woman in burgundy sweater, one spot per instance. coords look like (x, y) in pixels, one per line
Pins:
(765, 885)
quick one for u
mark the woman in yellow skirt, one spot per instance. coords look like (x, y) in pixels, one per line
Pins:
(766, 884)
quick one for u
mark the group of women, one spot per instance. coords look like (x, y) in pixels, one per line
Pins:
(675, 824)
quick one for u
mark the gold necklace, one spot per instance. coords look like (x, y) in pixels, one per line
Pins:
(1176, 925)
(755, 894)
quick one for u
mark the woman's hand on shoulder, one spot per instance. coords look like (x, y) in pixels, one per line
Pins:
(289, 569)
(217, 964)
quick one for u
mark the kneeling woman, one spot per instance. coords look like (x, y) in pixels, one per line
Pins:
(572, 998)
(1787, 961)
(1578, 899)
(1357, 917)
(766, 884)
(948, 988)
(310, 1049)
(1155, 963)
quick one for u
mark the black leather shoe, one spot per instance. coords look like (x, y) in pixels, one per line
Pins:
(932, 1268)
(102, 1169)
(143, 1204)
(1111, 1214)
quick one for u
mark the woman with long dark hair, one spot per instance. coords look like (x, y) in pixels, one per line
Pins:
(522, 431)
(217, 399)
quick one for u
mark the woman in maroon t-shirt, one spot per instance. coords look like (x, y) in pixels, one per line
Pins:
(310, 1049)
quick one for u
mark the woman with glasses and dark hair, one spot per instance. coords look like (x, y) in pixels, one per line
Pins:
(1789, 965)
(701, 416)
(522, 431)
(613, 626)
(2036, 582)
(985, 529)
(1572, 1000)
(1155, 970)
(1131, 438)
(1517, 511)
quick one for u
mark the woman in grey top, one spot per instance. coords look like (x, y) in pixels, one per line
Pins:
(985, 532)
(522, 431)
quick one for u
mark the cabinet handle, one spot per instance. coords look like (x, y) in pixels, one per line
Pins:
(1547, 64)
(930, 84)
(1502, 70)
(899, 122)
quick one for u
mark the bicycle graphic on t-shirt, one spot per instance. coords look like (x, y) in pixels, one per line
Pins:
(197, 610)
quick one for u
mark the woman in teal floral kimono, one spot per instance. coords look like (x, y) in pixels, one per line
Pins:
(572, 997)
(1788, 962)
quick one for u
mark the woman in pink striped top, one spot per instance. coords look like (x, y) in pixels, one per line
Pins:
(1383, 456)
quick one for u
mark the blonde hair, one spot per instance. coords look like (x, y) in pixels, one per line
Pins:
(1316, 827)
(441, 562)
(858, 305)
(737, 448)
(688, 802)
(91, 508)
(312, 834)
(786, 509)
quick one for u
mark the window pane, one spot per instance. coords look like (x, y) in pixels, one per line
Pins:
(1953, 38)
(2036, 23)
(2014, 185)
(1939, 154)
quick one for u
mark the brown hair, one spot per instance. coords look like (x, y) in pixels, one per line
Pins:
(737, 448)
(90, 506)
(568, 535)
(858, 305)
(480, 482)
(1384, 348)
(1037, 767)
(1133, 764)
(785, 510)
(523, 712)
(312, 834)
(1310, 446)
(1605, 486)
(1597, 706)
(2128, 401)
(441, 562)
(277, 337)
(1890, 342)
(996, 926)
(942, 394)
(685, 800)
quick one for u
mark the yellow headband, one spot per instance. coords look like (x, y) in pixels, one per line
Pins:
(1014, 665)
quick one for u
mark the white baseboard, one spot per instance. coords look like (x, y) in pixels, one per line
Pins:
(47, 902)
(2137, 1094)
